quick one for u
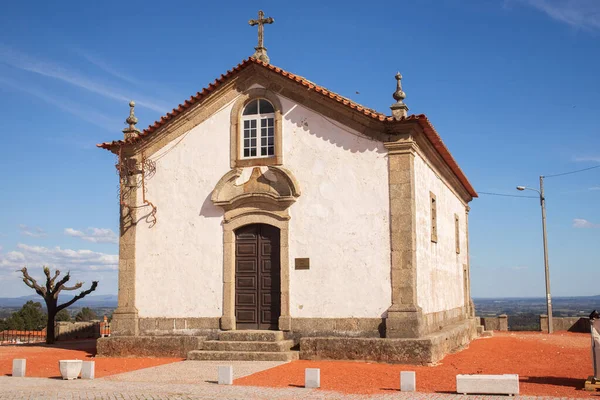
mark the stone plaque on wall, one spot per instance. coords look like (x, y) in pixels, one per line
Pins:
(302, 263)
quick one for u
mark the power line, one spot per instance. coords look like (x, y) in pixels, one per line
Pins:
(572, 172)
(508, 195)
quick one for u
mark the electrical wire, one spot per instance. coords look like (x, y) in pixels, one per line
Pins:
(572, 172)
(508, 195)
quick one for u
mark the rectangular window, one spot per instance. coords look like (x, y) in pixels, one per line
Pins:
(250, 138)
(457, 233)
(267, 136)
(259, 141)
(434, 237)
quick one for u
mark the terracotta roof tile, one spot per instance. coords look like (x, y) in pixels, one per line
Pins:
(428, 128)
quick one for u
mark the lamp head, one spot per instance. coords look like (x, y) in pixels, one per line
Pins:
(521, 188)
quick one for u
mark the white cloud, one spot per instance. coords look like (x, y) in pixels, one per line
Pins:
(63, 259)
(588, 159)
(85, 113)
(519, 268)
(584, 223)
(595, 188)
(583, 14)
(94, 235)
(51, 70)
(36, 232)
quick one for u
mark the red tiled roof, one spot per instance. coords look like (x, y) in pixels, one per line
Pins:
(429, 130)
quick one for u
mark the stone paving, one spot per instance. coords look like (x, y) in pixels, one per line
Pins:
(186, 380)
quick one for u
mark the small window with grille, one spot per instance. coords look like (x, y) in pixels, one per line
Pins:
(258, 130)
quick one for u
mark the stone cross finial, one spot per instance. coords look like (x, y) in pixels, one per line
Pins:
(131, 131)
(399, 109)
(261, 50)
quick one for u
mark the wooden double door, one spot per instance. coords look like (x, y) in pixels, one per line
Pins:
(257, 277)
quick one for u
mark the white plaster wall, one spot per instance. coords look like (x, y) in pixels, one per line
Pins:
(179, 261)
(340, 222)
(440, 283)
(341, 219)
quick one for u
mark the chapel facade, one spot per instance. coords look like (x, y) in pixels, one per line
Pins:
(267, 203)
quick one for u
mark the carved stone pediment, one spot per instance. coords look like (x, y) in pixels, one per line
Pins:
(272, 189)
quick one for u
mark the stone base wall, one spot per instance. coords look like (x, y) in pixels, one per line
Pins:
(178, 326)
(499, 323)
(347, 327)
(148, 346)
(571, 324)
(435, 322)
(421, 351)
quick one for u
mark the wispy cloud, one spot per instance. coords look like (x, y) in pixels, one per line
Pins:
(519, 268)
(587, 159)
(595, 188)
(80, 111)
(109, 69)
(49, 69)
(94, 235)
(584, 223)
(582, 14)
(31, 232)
(66, 259)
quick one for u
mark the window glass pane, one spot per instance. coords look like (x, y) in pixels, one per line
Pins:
(253, 142)
(246, 124)
(246, 152)
(271, 151)
(251, 108)
(271, 141)
(263, 151)
(253, 123)
(253, 152)
(266, 107)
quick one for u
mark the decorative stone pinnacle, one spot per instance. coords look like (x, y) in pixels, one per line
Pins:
(399, 109)
(131, 131)
(261, 50)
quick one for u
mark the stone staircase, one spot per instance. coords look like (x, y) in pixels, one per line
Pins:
(246, 345)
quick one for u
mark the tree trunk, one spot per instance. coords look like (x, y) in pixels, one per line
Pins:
(51, 306)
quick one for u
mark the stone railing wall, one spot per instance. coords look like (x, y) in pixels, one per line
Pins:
(571, 324)
(499, 323)
(77, 330)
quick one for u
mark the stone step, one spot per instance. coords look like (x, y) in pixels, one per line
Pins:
(242, 356)
(220, 345)
(251, 336)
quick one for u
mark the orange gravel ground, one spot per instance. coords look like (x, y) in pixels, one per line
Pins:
(42, 360)
(551, 365)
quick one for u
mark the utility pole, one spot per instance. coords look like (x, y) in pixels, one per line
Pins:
(546, 266)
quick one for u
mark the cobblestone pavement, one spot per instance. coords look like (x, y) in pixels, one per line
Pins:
(183, 381)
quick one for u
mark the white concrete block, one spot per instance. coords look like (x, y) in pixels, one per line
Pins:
(88, 369)
(225, 375)
(70, 369)
(408, 381)
(487, 384)
(312, 378)
(19, 367)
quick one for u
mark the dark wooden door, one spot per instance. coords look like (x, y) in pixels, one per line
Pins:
(257, 277)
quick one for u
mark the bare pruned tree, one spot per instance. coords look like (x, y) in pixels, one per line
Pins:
(50, 294)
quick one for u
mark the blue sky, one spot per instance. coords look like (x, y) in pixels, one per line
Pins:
(512, 86)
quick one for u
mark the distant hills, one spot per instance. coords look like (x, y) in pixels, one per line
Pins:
(96, 301)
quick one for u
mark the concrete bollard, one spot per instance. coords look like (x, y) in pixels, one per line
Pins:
(225, 375)
(19, 367)
(88, 369)
(408, 381)
(312, 378)
(487, 384)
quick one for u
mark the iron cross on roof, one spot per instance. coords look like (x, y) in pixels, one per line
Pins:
(261, 50)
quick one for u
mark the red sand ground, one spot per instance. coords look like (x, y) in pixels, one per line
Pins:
(42, 360)
(551, 365)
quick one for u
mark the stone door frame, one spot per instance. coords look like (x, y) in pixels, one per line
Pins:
(227, 321)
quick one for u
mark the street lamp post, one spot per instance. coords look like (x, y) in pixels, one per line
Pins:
(546, 266)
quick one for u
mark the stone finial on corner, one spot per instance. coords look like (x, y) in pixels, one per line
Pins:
(131, 131)
(399, 109)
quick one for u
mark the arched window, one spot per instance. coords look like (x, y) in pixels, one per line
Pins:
(258, 130)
